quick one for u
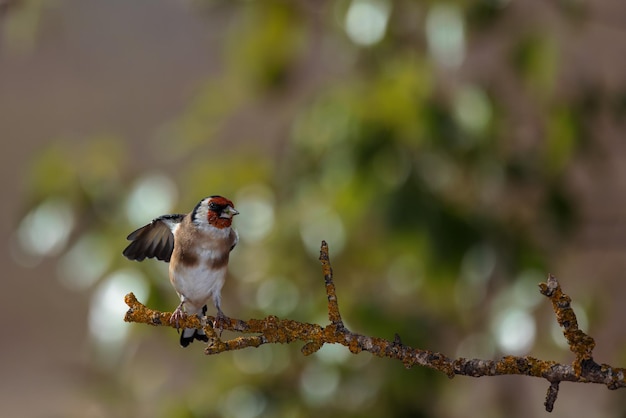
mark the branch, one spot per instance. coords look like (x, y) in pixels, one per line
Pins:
(274, 330)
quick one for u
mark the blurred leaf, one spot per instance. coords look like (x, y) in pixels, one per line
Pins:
(394, 97)
(484, 13)
(50, 173)
(561, 140)
(535, 57)
(562, 214)
(265, 41)
(22, 25)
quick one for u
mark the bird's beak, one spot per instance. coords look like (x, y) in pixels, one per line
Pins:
(229, 212)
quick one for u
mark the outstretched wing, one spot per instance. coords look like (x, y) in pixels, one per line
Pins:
(154, 240)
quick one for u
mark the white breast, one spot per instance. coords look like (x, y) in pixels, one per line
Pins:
(198, 284)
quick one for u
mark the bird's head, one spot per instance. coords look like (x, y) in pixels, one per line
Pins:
(217, 211)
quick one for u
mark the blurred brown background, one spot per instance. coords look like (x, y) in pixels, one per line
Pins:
(451, 154)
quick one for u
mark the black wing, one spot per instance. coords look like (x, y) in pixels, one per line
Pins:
(153, 240)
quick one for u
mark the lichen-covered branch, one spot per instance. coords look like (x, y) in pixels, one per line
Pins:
(275, 330)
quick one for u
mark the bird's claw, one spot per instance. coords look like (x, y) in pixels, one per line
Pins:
(220, 321)
(176, 317)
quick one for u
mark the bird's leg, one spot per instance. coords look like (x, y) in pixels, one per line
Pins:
(220, 320)
(178, 314)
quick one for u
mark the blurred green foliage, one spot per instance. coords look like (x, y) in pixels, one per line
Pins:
(405, 170)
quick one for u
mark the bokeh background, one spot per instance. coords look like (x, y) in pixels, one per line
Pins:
(451, 153)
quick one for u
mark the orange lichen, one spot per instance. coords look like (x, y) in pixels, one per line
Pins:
(580, 344)
(275, 330)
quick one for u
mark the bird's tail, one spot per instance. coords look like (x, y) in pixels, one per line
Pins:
(190, 334)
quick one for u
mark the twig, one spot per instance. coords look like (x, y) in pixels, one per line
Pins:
(274, 330)
(579, 343)
(553, 392)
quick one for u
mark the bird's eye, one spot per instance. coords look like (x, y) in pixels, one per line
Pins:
(216, 207)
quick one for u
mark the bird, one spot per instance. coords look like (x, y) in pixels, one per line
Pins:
(197, 247)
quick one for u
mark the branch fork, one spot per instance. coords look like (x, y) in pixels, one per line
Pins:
(272, 330)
